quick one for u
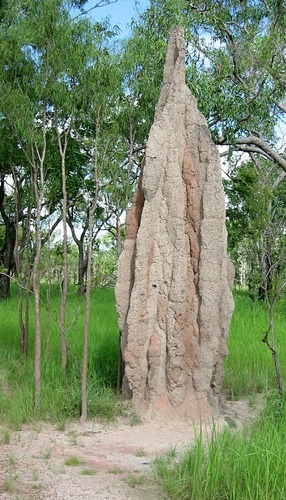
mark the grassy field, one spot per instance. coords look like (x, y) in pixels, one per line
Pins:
(60, 397)
(249, 367)
(235, 465)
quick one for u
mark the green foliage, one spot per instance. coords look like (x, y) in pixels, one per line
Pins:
(60, 80)
(234, 59)
(105, 262)
(246, 464)
(135, 480)
(256, 224)
(5, 437)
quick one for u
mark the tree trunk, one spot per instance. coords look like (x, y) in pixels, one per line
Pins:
(86, 330)
(39, 189)
(24, 281)
(64, 288)
(5, 289)
(118, 231)
(82, 269)
(7, 258)
(23, 343)
(7, 253)
(82, 262)
(36, 287)
(47, 326)
(88, 284)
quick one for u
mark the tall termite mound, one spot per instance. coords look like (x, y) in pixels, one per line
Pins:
(173, 291)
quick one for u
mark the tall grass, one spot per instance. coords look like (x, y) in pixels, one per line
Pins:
(60, 397)
(248, 464)
(249, 367)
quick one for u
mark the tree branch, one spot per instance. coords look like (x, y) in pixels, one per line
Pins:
(253, 144)
(101, 3)
(51, 230)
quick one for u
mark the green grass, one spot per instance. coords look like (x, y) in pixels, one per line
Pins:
(88, 472)
(60, 398)
(11, 483)
(249, 368)
(35, 475)
(48, 453)
(116, 470)
(74, 461)
(5, 437)
(140, 453)
(135, 480)
(245, 465)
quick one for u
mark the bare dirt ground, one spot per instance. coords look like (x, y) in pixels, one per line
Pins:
(109, 461)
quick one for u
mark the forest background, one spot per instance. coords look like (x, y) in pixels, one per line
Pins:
(76, 105)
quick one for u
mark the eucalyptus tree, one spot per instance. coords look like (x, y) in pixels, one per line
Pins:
(104, 79)
(256, 220)
(7, 250)
(235, 68)
(24, 103)
(100, 145)
(48, 81)
(79, 48)
(255, 206)
(80, 186)
(77, 93)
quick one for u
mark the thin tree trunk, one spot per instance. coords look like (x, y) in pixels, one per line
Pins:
(27, 283)
(118, 230)
(47, 325)
(64, 288)
(23, 281)
(120, 365)
(267, 271)
(82, 269)
(7, 252)
(27, 316)
(39, 188)
(86, 330)
(24, 298)
(36, 287)
(82, 262)
(36, 284)
(88, 283)
(23, 345)
(120, 357)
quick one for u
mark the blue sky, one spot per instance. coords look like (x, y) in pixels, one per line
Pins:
(120, 13)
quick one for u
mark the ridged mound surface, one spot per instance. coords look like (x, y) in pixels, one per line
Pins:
(173, 291)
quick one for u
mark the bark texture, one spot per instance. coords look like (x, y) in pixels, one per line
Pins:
(174, 283)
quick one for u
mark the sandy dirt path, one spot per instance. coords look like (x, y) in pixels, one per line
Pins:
(114, 461)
